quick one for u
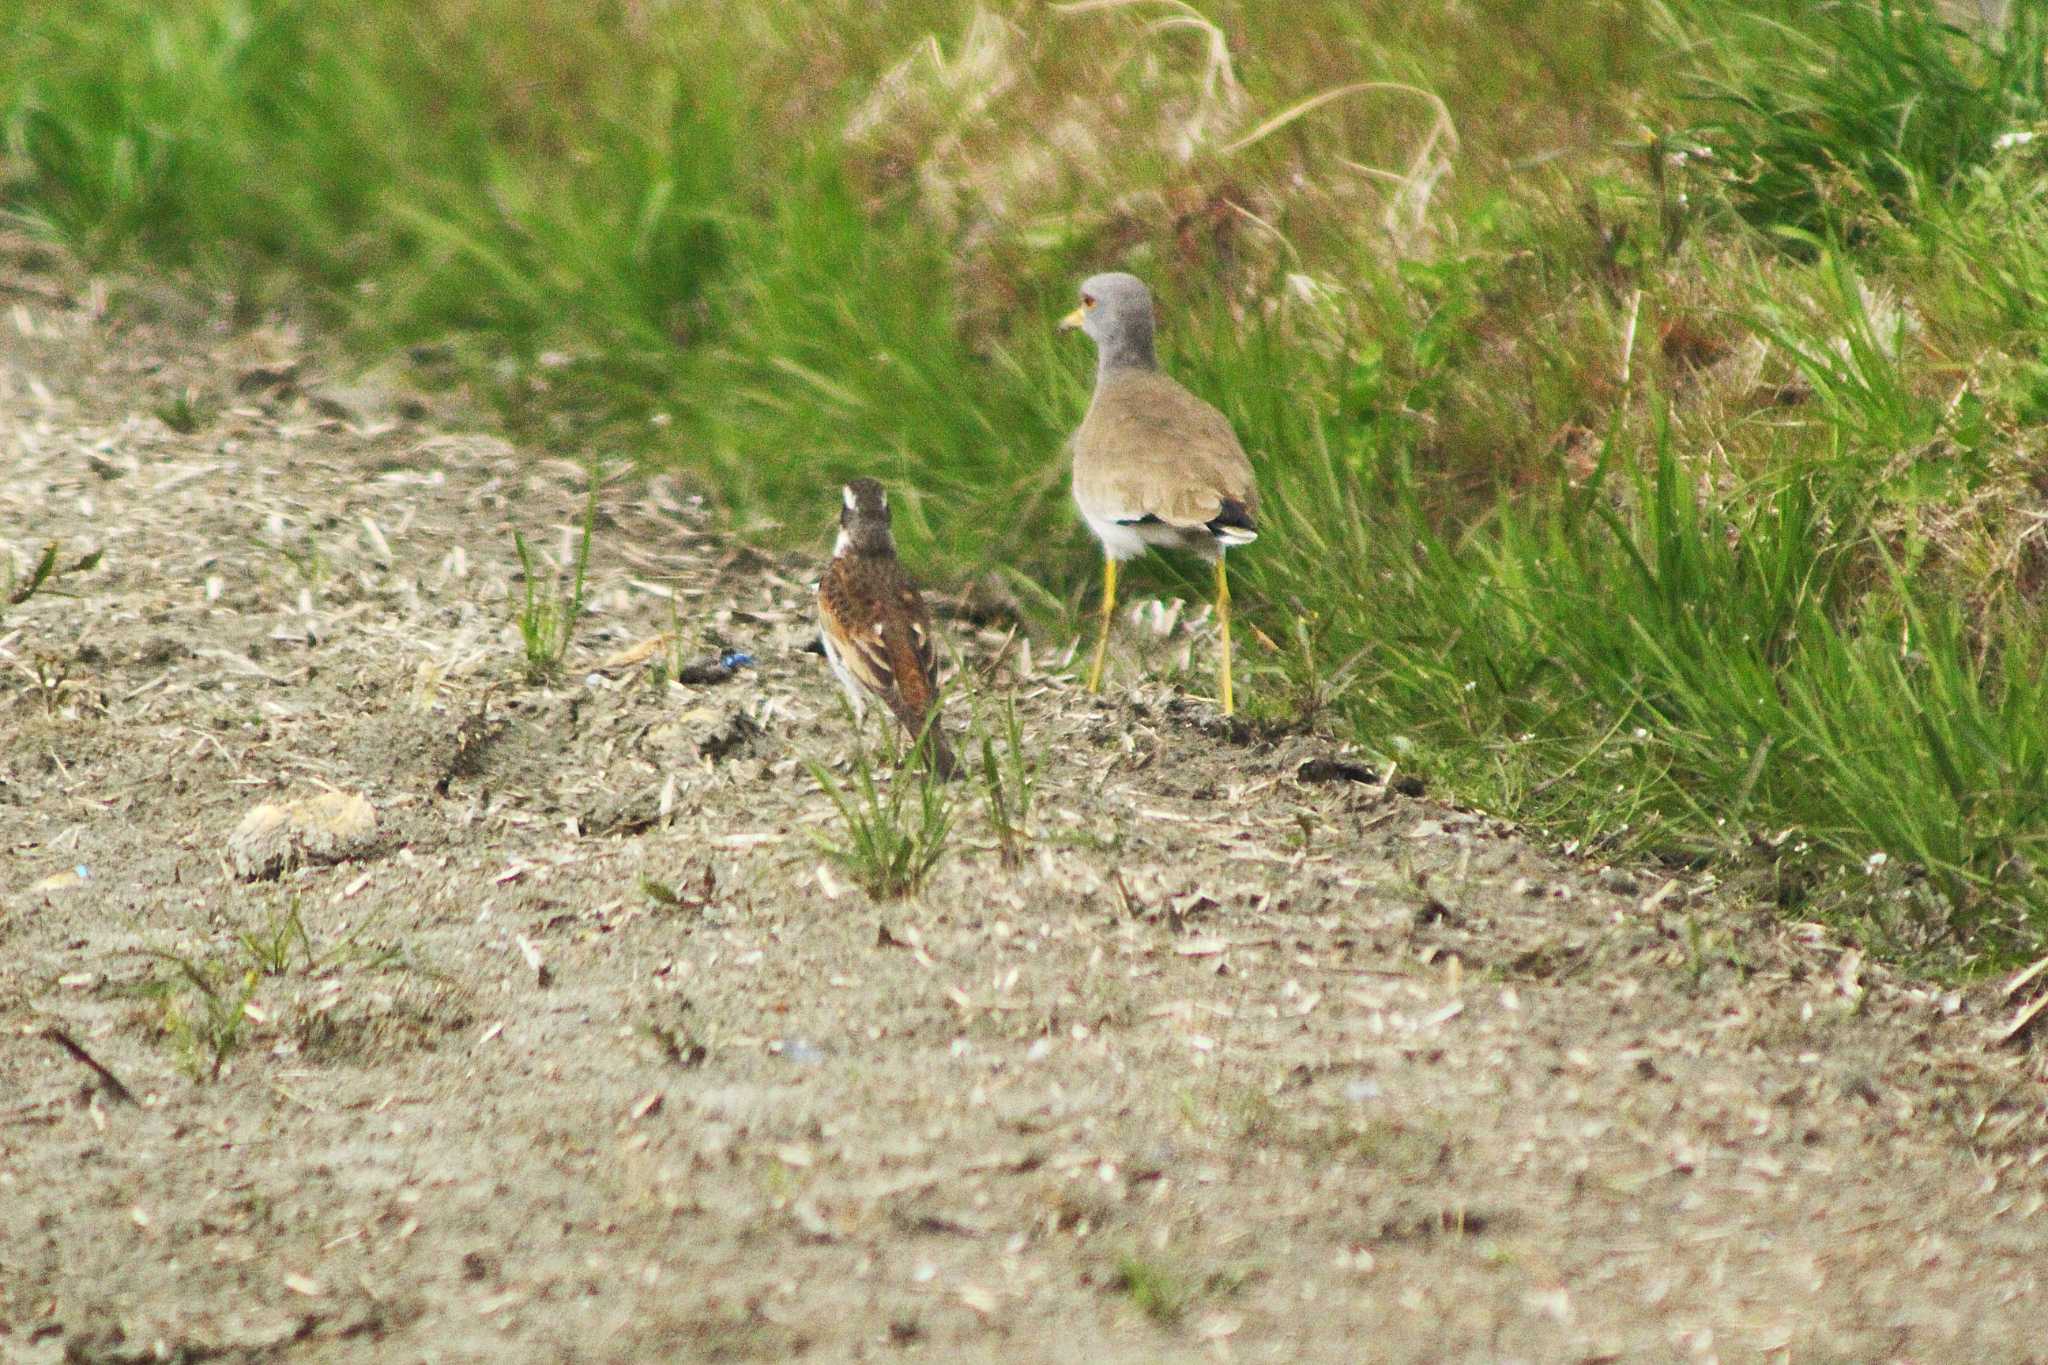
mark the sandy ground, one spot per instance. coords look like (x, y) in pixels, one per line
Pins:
(589, 1052)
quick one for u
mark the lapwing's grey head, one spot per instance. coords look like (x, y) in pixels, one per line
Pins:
(1116, 311)
(864, 519)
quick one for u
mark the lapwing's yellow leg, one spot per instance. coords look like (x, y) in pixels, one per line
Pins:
(1108, 610)
(1223, 619)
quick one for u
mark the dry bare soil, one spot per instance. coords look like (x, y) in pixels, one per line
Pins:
(588, 1053)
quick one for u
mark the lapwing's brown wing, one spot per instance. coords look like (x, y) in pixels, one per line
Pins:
(1148, 448)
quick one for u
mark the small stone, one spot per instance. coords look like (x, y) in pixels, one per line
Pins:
(1334, 770)
(323, 829)
(268, 374)
(1619, 882)
(802, 1052)
(359, 405)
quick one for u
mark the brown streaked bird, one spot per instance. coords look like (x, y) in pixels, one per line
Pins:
(877, 633)
(1154, 466)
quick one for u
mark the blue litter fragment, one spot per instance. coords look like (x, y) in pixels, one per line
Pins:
(718, 669)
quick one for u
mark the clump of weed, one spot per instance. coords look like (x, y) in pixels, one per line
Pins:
(204, 1010)
(549, 612)
(203, 1002)
(1158, 1290)
(895, 834)
(687, 896)
(184, 414)
(1008, 783)
(45, 572)
(272, 948)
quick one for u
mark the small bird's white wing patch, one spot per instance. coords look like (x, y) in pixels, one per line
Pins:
(847, 682)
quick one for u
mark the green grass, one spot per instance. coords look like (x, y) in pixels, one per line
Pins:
(1009, 782)
(1837, 119)
(48, 569)
(1154, 1288)
(202, 1000)
(1646, 412)
(895, 832)
(549, 610)
(205, 1012)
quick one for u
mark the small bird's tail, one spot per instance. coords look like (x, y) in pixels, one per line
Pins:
(945, 767)
(930, 740)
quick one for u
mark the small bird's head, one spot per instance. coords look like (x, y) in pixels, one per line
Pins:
(1116, 310)
(864, 520)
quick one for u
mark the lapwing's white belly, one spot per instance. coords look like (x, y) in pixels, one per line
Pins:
(1122, 541)
(1118, 540)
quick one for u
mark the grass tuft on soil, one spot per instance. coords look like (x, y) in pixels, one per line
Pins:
(895, 831)
(1156, 1289)
(1647, 412)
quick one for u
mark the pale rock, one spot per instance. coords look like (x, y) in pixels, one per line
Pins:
(321, 829)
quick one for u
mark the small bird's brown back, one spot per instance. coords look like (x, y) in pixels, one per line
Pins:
(1149, 447)
(913, 656)
(882, 631)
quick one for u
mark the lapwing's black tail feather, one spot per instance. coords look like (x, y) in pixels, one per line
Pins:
(1235, 516)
